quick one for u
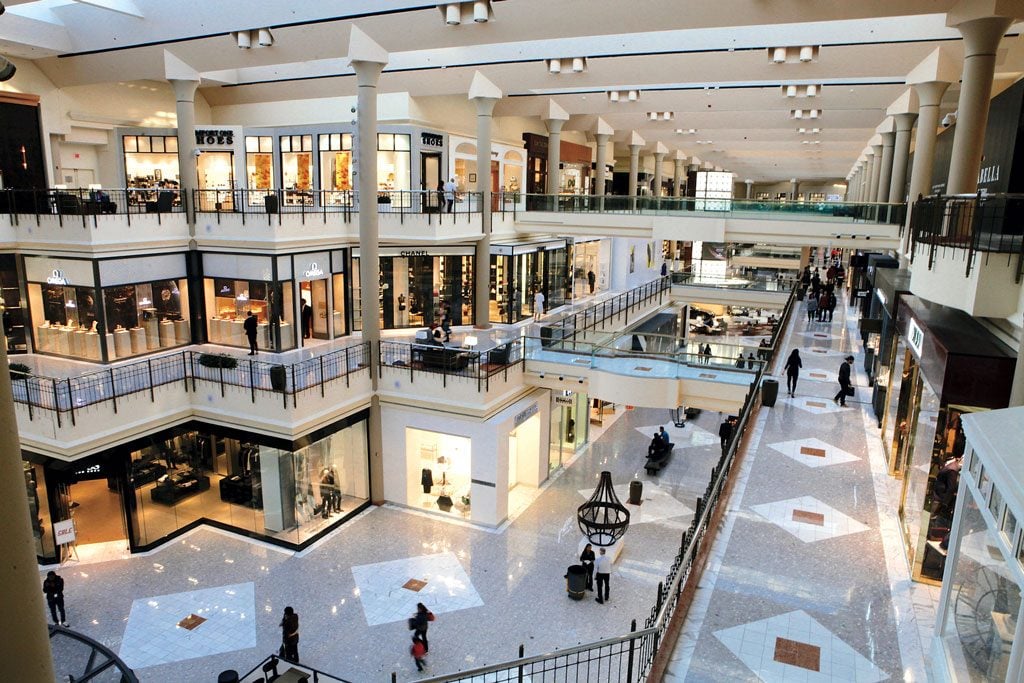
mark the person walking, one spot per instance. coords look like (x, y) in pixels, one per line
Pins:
(844, 381)
(306, 316)
(53, 587)
(290, 635)
(822, 306)
(741, 362)
(832, 302)
(750, 361)
(725, 433)
(538, 305)
(421, 621)
(449, 195)
(250, 332)
(707, 354)
(419, 653)
(591, 280)
(603, 569)
(792, 367)
(812, 308)
(587, 560)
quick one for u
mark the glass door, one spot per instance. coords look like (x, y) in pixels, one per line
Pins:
(216, 181)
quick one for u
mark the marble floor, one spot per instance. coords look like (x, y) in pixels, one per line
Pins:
(807, 579)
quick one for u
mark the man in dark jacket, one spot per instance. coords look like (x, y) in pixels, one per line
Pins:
(290, 635)
(250, 331)
(53, 587)
(844, 381)
(725, 432)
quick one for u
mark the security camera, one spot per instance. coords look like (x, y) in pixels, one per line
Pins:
(197, 152)
(353, 109)
(948, 120)
(580, 380)
(541, 375)
(561, 379)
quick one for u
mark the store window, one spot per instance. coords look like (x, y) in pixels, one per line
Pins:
(64, 320)
(514, 168)
(150, 160)
(336, 168)
(443, 462)
(259, 166)
(38, 508)
(417, 291)
(145, 317)
(285, 495)
(297, 169)
(394, 162)
(230, 300)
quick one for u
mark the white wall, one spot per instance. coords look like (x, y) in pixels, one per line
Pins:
(621, 277)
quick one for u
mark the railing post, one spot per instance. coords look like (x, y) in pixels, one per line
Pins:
(56, 402)
(149, 366)
(113, 389)
(657, 610)
(347, 368)
(252, 382)
(522, 653)
(322, 380)
(629, 659)
(220, 372)
(71, 402)
(295, 393)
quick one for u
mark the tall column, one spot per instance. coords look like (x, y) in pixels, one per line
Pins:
(554, 127)
(876, 170)
(677, 177)
(901, 154)
(601, 172)
(25, 650)
(750, 189)
(852, 186)
(794, 189)
(865, 179)
(368, 59)
(485, 94)
(981, 39)
(188, 176)
(929, 95)
(885, 174)
(634, 171)
(659, 161)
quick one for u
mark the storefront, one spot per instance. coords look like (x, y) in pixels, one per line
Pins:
(508, 164)
(157, 487)
(108, 309)
(467, 468)
(979, 616)
(590, 266)
(521, 269)
(293, 296)
(418, 284)
(945, 365)
(879, 333)
(569, 426)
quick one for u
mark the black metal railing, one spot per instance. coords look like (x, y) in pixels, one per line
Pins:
(80, 205)
(452, 363)
(273, 667)
(65, 395)
(615, 309)
(77, 657)
(992, 224)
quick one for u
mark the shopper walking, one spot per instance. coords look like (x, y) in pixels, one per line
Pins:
(538, 305)
(832, 302)
(420, 622)
(449, 195)
(603, 569)
(250, 332)
(725, 433)
(793, 365)
(822, 306)
(53, 587)
(812, 308)
(845, 386)
(290, 635)
(707, 354)
(419, 653)
(587, 560)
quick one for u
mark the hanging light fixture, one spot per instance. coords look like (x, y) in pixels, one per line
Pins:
(790, 91)
(554, 66)
(633, 96)
(814, 113)
(798, 113)
(806, 53)
(666, 116)
(243, 39)
(481, 10)
(812, 90)
(779, 55)
(613, 95)
(579, 65)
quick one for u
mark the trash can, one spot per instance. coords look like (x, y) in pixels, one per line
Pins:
(229, 676)
(636, 492)
(278, 377)
(576, 581)
(270, 203)
(769, 392)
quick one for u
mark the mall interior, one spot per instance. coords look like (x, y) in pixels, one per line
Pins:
(354, 306)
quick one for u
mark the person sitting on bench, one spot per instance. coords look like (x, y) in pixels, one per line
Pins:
(658, 447)
(667, 445)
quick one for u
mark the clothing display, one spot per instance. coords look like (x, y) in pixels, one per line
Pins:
(427, 479)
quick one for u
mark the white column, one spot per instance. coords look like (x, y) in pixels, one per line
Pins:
(981, 39)
(659, 161)
(885, 174)
(601, 172)
(750, 188)
(901, 154)
(634, 172)
(794, 189)
(929, 95)
(554, 127)
(876, 170)
(188, 176)
(677, 177)
(485, 94)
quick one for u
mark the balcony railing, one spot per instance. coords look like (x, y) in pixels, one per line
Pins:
(65, 395)
(759, 283)
(616, 309)
(848, 212)
(992, 224)
(86, 206)
(452, 364)
(271, 204)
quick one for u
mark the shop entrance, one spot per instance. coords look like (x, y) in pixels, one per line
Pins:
(568, 431)
(314, 321)
(430, 180)
(216, 176)
(92, 498)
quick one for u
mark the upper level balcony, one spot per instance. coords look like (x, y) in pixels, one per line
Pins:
(968, 252)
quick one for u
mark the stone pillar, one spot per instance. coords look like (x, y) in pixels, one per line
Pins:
(485, 94)
(794, 189)
(901, 154)
(659, 161)
(929, 95)
(677, 177)
(634, 172)
(852, 186)
(554, 156)
(750, 189)
(368, 60)
(981, 39)
(876, 171)
(188, 176)
(601, 172)
(885, 174)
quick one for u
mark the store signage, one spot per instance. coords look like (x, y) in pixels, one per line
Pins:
(563, 400)
(64, 532)
(314, 270)
(431, 140)
(525, 415)
(915, 337)
(413, 252)
(215, 137)
(57, 278)
(989, 174)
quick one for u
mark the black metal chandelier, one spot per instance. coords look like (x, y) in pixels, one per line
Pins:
(603, 519)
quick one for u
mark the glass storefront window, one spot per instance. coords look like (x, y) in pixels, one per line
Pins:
(216, 173)
(916, 510)
(984, 603)
(903, 376)
(418, 290)
(443, 461)
(338, 313)
(394, 162)
(146, 317)
(297, 169)
(259, 165)
(228, 302)
(289, 496)
(64, 320)
(336, 168)
(150, 160)
(39, 509)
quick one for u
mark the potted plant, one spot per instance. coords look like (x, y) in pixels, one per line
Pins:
(218, 360)
(19, 371)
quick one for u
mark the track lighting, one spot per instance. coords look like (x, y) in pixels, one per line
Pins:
(481, 10)
(243, 39)
(806, 53)
(812, 90)
(779, 55)
(453, 14)
(633, 95)
(790, 91)
(554, 66)
(613, 95)
(579, 65)
(264, 38)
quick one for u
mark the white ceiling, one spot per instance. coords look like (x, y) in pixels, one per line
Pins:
(708, 63)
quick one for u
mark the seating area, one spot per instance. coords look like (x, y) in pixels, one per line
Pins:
(658, 458)
(439, 357)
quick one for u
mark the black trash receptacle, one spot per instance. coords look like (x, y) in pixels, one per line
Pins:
(278, 377)
(769, 392)
(636, 492)
(229, 676)
(270, 202)
(576, 581)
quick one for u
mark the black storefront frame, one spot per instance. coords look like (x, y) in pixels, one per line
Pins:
(542, 272)
(117, 463)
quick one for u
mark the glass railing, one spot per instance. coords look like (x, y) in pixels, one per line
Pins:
(760, 283)
(848, 212)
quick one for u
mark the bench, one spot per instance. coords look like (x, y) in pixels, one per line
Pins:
(440, 357)
(656, 462)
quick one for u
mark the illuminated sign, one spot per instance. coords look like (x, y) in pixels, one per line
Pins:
(915, 337)
(57, 278)
(314, 270)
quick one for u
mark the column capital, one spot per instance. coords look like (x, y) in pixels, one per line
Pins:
(366, 57)
(554, 112)
(982, 35)
(635, 140)
(929, 93)
(484, 93)
(603, 128)
(905, 121)
(888, 139)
